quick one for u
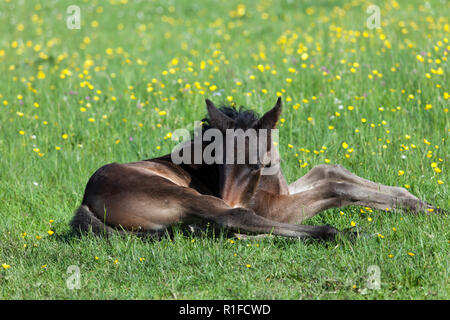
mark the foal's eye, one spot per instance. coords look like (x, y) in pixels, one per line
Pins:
(255, 167)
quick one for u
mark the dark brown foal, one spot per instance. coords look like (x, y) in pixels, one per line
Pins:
(249, 196)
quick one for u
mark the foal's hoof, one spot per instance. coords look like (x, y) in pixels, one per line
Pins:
(441, 211)
(432, 209)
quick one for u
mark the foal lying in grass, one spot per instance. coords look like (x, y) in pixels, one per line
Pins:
(242, 190)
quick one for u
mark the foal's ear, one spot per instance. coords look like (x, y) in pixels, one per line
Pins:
(217, 118)
(270, 119)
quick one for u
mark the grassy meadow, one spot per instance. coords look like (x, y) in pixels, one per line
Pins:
(374, 100)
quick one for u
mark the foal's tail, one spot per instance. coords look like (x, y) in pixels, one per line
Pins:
(85, 221)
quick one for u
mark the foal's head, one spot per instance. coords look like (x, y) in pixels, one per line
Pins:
(247, 149)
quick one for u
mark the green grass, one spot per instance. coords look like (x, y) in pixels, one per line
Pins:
(148, 57)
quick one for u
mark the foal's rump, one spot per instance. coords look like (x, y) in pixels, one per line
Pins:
(134, 197)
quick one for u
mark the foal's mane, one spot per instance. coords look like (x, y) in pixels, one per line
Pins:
(243, 118)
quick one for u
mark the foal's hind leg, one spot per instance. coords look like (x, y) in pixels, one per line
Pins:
(246, 221)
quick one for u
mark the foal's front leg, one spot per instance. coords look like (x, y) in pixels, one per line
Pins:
(377, 194)
(331, 186)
